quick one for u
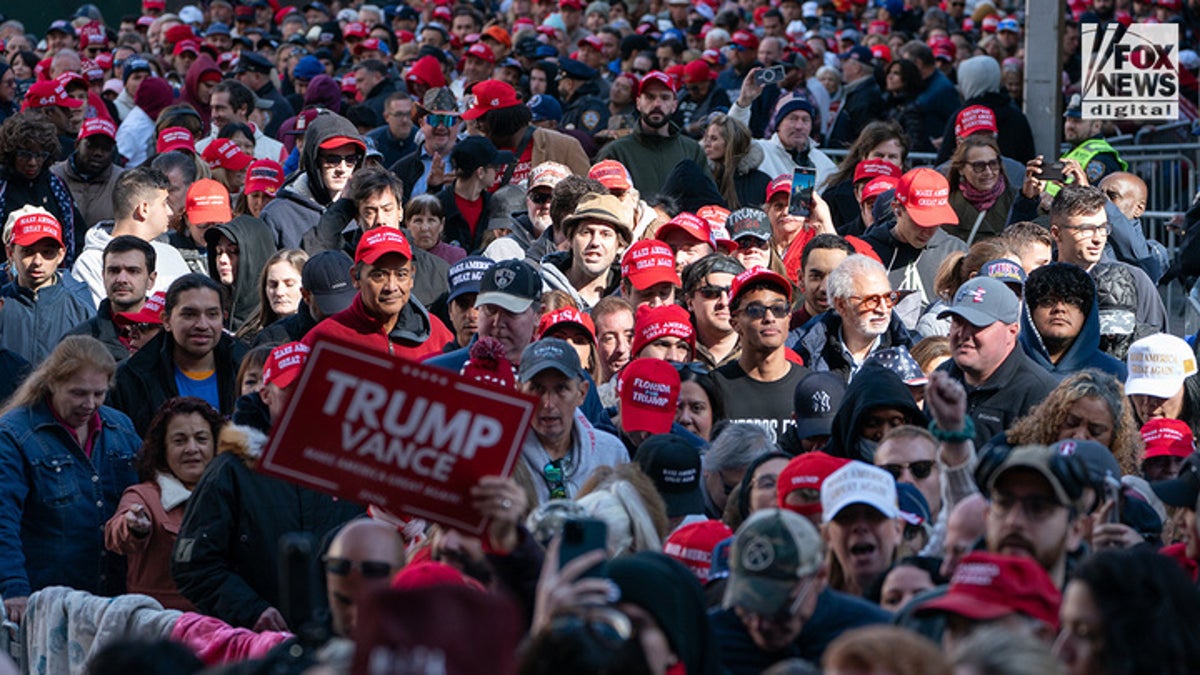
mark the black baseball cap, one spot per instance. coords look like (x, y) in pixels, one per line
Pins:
(327, 276)
(475, 152)
(674, 466)
(510, 284)
(1184, 490)
(817, 398)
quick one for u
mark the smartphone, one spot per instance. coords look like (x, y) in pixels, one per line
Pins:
(1053, 172)
(1112, 494)
(803, 180)
(581, 536)
(772, 75)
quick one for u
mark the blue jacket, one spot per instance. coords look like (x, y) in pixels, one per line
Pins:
(31, 324)
(1084, 352)
(55, 500)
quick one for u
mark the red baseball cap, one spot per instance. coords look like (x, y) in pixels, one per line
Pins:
(697, 71)
(806, 471)
(264, 175)
(879, 27)
(989, 586)
(370, 45)
(648, 262)
(175, 138)
(870, 168)
(944, 49)
(1167, 438)
(481, 51)
(428, 574)
(208, 202)
(186, 46)
(48, 93)
(657, 77)
(104, 60)
(97, 126)
(593, 41)
(498, 34)
(925, 195)
(490, 95)
(154, 4)
(379, 242)
(178, 33)
(879, 185)
(744, 39)
(612, 174)
(225, 154)
(565, 316)
(974, 118)
(655, 322)
(284, 364)
(30, 228)
(649, 392)
(882, 53)
(692, 545)
(355, 29)
(335, 142)
(151, 311)
(990, 23)
(781, 184)
(759, 274)
(694, 226)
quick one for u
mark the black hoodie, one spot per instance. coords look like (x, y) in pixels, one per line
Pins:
(874, 386)
(255, 246)
(298, 206)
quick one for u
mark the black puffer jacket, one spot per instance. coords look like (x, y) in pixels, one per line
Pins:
(226, 559)
(146, 379)
(1117, 297)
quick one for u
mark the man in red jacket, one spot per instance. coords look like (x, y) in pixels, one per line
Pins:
(384, 315)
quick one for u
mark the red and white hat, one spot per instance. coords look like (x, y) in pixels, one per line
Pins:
(692, 225)
(649, 392)
(870, 168)
(224, 153)
(48, 93)
(284, 364)
(175, 138)
(151, 311)
(490, 95)
(653, 323)
(649, 262)
(974, 118)
(925, 195)
(755, 275)
(657, 77)
(879, 185)
(34, 225)
(692, 545)
(379, 242)
(264, 175)
(481, 51)
(565, 317)
(97, 126)
(1167, 438)
(612, 174)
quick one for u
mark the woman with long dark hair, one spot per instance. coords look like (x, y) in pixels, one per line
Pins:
(734, 161)
(902, 84)
(878, 140)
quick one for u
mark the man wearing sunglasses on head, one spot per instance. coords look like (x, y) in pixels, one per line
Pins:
(861, 321)
(757, 388)
(333, 151)
(706, 286)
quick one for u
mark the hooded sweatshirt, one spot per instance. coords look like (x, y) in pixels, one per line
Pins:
(322, 92)
(979, 82)
(416, 335)
(911, 268)
(1084, 352)
(136, 134)
(297, 208)
(191, 85)
(169, 264)
(255, 246)
(873, 387)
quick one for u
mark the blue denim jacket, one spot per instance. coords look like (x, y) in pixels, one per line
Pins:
(54, 501)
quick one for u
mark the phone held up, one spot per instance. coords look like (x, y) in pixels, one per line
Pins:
(581, 536)
(801, 203)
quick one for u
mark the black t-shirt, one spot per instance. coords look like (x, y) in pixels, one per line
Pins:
(764, 404)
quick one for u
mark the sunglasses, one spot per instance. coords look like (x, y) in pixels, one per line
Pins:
(920, 470)
(331, 161)
(539, 197)
(554, 477)
(441, 120)
(693, 367)
(871, 302)
(779, 310)
(712, 292)
(27, 155)
(370, 569)
(990, 166)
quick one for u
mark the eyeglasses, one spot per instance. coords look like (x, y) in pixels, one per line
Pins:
(441, 120)
(1037, 507)
(872, 302)
(141, 328)
(920, 470)
(712, 292)
(370, 569)
(990, 166)
(606, 625)
(1088, 231)
(331, 161)
(30, 155)
(538, 197)
(553, 474)
(756, 311)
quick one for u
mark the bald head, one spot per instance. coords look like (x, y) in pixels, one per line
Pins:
(964, 528)
(1127, 191)
(362, 559)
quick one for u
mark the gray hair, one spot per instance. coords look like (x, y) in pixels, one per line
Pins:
(840, 283)
(993, 650)
(736, 446)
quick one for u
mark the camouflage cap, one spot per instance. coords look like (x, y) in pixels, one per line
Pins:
(441, 100)
(772, 551)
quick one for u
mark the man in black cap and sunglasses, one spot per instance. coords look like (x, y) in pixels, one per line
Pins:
(706, 285)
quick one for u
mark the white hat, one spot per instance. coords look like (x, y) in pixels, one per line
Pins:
(1158, 365)
(859, 483)
(191, 15)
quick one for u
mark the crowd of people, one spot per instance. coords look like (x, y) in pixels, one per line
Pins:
(925, 419)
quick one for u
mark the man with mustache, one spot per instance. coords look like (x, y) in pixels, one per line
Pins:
(655, 146)
(1001, 382)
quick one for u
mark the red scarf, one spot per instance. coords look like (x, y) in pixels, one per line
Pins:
(983, 200)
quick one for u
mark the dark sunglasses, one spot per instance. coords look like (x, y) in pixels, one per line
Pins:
(920, 470)
(331, 161)
(27, 155)
(712, 292)
(693, 367)
(554, 476)
(779, 310)
(539, 197)
(441, 120)
(371, 569)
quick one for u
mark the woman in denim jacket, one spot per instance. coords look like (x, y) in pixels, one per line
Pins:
(65, 459)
